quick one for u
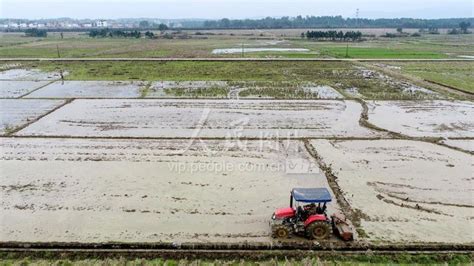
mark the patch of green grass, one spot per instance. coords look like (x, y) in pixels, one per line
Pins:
(376, 89)
(277, 93)
(382, 53)
(193, 70)
(459, 75)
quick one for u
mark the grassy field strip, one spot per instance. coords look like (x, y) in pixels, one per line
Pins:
(242, 59)
(419, 81)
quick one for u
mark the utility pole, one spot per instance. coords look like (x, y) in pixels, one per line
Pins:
(242, 50)
(57, 48)
(357, 17)
(347, 50)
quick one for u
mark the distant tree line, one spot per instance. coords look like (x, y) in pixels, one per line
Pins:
(334, 22)
(36, 33)
(146, 25)
(103, 33)
(333, 35)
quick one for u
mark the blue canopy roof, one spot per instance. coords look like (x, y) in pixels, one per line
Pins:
(316, 195)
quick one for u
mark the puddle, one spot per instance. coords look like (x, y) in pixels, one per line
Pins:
(16, 112)
(415, 89)
(353, 92)
(273, 42)
(89, 89)
(29, 74)
(253, 50)
(17, 88)
(323, 92)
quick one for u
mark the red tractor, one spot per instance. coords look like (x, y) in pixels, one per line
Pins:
(309, 216)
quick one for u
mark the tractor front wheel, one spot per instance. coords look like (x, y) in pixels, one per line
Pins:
(281, 231)
(318, 230)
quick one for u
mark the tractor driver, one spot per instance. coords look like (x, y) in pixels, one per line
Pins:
(307, 210)
(320, 209)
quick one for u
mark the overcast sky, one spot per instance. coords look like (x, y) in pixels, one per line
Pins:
(34, 9)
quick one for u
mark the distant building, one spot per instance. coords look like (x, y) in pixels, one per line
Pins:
(101, 23)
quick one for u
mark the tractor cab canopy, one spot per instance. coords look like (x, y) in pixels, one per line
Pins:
(310, 195)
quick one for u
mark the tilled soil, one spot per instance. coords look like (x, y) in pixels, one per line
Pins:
(463, 144)
(90, 190)
(424, 118)
(404, 190)
(203, 118)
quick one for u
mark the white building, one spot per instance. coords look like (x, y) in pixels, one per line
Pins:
(101, 23)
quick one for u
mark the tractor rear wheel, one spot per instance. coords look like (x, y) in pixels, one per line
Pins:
(281, 231)
(318, 230)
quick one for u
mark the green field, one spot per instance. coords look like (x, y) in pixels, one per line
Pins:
(195, 70)
(379, 53)
(424, 47)
(459, 75)
(190, 45)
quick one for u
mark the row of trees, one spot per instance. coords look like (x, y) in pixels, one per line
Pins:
(102, 33)
(334, 22)
(463, 28)
(333, 35)
(36, 33)
(146, 25)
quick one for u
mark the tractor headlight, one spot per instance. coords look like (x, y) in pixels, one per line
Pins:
(273, 216)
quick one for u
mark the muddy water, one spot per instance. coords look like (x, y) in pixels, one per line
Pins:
(119, 190)
(323, 92)
(424, 118)
(28, 74)
(89, 89)
(203, 118)
(405, 190)
(16, 112)
(15, 88)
